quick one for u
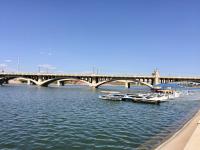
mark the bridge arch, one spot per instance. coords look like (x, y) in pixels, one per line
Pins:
(133, 81)
(73, 79)
(18, 77)
(49, 81)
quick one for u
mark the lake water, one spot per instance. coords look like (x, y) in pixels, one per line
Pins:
(73, 118)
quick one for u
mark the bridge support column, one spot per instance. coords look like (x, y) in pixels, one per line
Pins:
(164, 80)
(137, 82)
(28, 82)
(1, 81)
(94, 82)
(40, 79)
(6, 82)
(127, 85)
(60, 83)
(156, 79)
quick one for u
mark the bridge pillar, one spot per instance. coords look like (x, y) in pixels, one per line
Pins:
(60, 83)
(28, 82)
(138, 83)
(161, 81)
(2, 81)
(40, 79)
(156, 79)
(6, 82)
(127, 85)
(164, 81)
(94, 82)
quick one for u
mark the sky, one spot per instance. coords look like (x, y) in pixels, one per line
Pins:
(108, 36)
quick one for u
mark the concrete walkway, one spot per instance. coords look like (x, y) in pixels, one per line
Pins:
(194, 142)
(187, 138)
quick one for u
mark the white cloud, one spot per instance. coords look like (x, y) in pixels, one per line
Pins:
(8, 60)
(47, 66)
(3, 65)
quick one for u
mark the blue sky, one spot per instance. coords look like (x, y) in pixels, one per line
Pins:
(116, 36)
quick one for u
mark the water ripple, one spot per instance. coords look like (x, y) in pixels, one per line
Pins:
(74, 118)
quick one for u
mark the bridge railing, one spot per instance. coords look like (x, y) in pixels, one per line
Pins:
(55, 74)
(95, 75)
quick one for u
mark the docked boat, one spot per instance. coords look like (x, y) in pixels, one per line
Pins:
(146, 100)
(141, 99)
(113, 97)
(152, 98)
(176, 94)
(129, 97)
(170, 96)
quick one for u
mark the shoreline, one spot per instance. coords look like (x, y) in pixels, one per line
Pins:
(179, 139)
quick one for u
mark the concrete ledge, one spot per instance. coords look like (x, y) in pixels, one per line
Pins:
(198, 122)
(180, 139)
(194, 141)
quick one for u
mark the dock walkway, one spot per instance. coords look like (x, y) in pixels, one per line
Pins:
(194, 141)
(187, 138)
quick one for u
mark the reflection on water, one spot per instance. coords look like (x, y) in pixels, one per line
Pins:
(72, 117)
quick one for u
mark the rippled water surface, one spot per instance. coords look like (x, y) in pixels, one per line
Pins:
(73, 118)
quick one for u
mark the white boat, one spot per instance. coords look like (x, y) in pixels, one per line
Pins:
(129, 97)
(170, 96)
(163, 97)
(154, 98)
(147, 100)
(141, 99)
(160, 98)
(113, 97)
(176, 94)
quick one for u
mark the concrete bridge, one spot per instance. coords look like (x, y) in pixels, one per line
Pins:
(93, 80)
